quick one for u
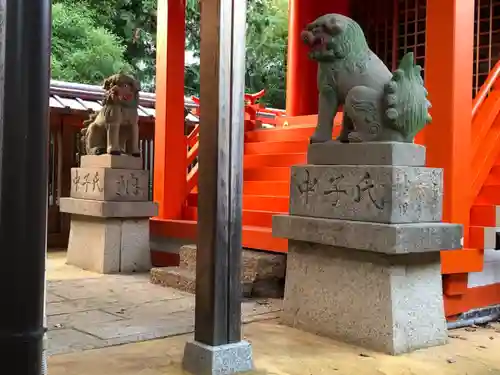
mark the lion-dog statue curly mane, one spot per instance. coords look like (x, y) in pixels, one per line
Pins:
(377, 105)
(114, 129)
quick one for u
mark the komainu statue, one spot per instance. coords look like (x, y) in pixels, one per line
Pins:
(378, 105)
(114, 129)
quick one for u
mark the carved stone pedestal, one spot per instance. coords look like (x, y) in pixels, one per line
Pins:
(363, 263)
(110, 215)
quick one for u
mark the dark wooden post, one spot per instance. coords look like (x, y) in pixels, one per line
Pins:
(24, 130)
(218, 262)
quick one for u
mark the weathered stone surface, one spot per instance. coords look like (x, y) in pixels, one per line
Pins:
(376, 237)
(174, 277)
(187, 257)
(255, 264)
(201, 359)
(109, 245)
(111, 161)
(106, 184)
(68, 340)
(107, 209)
(263, 273)
(384, 194)
(260, 265)
(373, 300)
(184, 279)
(366, 153)
(135, 253)
(62, 321)
(94, 244)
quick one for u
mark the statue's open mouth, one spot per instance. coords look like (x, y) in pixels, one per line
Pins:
(126, 97)
(315, 42)
(319, 43)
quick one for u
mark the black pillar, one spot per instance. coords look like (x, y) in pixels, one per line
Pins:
(218, 262)
(24, 90)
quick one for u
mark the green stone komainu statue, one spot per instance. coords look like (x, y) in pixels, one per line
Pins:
(378, 105)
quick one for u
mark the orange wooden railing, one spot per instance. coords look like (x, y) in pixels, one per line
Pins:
(485, 135)
(193, 144)
(255, 113)
(490, 82)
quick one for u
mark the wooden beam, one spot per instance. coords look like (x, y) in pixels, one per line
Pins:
(222, 84)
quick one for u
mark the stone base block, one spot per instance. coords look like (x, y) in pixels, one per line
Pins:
(111, 161)
(383, 194)
(109, 245)
(201, 359)
(376, 237)
(366, 153)
(391, 304)
(107, 209)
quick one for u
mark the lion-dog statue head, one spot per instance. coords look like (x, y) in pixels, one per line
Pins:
(123, 89)
(334, 37)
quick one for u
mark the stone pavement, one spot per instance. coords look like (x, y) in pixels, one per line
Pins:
(88, 311)
(280, 350)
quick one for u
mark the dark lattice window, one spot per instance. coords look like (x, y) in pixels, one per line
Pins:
(377, 20)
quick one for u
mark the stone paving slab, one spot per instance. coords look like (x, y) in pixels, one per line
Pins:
(61, 321)
(286, 351)
(175, 323)
(70, 340)
(154, 309)
(97, 312)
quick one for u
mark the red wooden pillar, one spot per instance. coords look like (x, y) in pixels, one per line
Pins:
(170, 150)
(448, 73)
(301, 92)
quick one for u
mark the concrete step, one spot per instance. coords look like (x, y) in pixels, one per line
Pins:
(184, 280)
(263, 273)
(255, 264)
(174, 277)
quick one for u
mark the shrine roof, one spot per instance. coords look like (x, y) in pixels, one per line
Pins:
(82, 97)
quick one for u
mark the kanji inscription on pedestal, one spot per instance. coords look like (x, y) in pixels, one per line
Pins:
(109, 184)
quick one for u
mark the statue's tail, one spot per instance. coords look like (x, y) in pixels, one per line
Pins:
(82, 144)
(407, 107)
(89, 121)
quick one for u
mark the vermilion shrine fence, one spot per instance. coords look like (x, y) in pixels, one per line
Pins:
(70, 105)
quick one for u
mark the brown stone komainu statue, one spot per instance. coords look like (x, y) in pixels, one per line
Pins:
(115, 128)
(378, 105)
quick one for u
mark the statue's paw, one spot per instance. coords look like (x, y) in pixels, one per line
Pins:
(343, 138)
(136, 154)
(319, 139)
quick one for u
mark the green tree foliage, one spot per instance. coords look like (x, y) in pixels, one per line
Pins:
(267, 37)
(133, 22)
(132, 25)
(83, 51)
